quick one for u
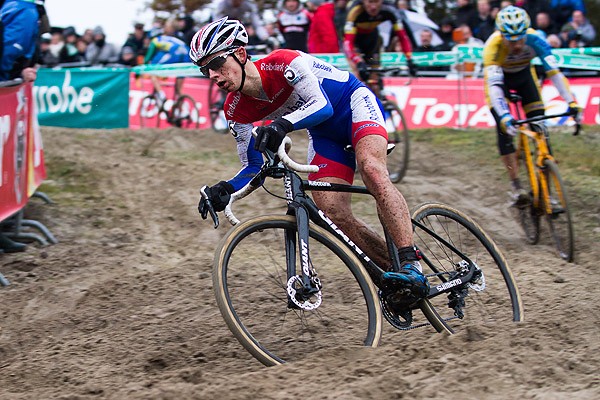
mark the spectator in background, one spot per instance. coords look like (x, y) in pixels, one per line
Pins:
(185, 27)
(534, 7)
(482, 24)
(294, 22)
(244, 11)
(339, 19)
(464, 36)
(426, 39)
(137, 42)
(88, 36)
(322, 35)
(19, 40)
(100, 51)
(544, 25)
(18, 36)
(562, 10)
(579, 32)
(127, 57)
(446, 29)
(69, 53)
(81, 45)
(45, 56)
(275, 39)
(464, 12)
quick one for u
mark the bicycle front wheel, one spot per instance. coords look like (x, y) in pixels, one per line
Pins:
(184, 113)
(528, 215)
(149, 112)
(397, 160)
(558, 214)
(250, 280)
(493, 299)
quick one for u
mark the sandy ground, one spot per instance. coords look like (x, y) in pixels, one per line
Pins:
(123, 307)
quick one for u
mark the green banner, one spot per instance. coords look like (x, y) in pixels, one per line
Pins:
(580, 58)
(83, 97)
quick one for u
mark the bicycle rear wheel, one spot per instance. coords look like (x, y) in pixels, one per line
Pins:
(184, 113)
(397, 160)
(559, 219)
(250, 280)
(149, 112)
(216, 100)
(528, 215)
(494, 300)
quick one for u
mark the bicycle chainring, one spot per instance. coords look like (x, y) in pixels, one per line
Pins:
(399, 317)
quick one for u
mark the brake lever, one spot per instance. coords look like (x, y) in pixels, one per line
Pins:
(209, 207)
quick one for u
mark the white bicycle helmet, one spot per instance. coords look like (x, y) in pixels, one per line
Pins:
(224, 34)
(513, 23)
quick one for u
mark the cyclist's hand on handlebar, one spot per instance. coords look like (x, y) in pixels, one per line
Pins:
(507, 124)
(575, 110)
(270, 137)
(412, 67)
(218, 198)
(363, 71)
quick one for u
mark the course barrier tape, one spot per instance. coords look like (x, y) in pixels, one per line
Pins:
(579, 58)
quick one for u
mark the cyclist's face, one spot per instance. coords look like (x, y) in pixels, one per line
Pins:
(224, 70)
(515, 47)
(372, 7)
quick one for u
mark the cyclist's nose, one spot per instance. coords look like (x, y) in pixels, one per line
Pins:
(214, 75)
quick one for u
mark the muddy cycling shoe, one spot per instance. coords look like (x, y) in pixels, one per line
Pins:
(409, 278)
(519, 198)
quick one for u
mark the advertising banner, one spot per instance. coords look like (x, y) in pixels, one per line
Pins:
(15, 104)
(141, 86)
(36, 168)
(434, 102)
(82, 97)
(426, 102)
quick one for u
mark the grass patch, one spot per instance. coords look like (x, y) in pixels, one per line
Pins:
(578, 158)
(65, 176)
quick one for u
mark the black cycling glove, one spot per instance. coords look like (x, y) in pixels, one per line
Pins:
(218, 195)
(270, 137)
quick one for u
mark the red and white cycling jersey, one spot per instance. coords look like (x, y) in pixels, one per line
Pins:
(336, 108)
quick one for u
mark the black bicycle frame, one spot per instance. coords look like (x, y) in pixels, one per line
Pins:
(305, 210)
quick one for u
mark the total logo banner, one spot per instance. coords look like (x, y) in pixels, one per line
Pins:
(434, 102)
(426, 102)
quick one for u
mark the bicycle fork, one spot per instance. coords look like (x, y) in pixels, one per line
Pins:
(304, 289)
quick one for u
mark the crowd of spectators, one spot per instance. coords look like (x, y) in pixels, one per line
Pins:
(317, 26)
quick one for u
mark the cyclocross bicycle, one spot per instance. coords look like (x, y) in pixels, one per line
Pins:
(291, 285)
(548, 195)
(395, 123)
(180, 111)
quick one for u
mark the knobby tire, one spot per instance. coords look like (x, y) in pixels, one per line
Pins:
(250, 279)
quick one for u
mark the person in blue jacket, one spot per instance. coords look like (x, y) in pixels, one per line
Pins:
(19, 39)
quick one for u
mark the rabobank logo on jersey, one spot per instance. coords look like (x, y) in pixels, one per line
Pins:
(234, 102)
(324, 67)
(273, 67)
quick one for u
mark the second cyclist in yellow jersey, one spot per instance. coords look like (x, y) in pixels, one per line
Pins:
(507, 57)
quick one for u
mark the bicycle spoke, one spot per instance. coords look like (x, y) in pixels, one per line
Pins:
(559, 218)
(498, 302)
(254, 282)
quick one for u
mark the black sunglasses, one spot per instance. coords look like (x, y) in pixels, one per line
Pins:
(216, 63)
